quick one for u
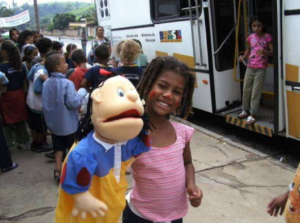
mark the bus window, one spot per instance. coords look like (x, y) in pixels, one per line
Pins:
(223, 22)
(167, 8)
(173, 9)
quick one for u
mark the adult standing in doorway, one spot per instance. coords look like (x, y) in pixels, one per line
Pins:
(100, 39)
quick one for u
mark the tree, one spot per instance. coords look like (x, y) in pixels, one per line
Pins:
(45, 23)
(5, 12)
(50, 27)
(61, 21)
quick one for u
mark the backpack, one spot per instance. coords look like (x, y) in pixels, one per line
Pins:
(38, 83)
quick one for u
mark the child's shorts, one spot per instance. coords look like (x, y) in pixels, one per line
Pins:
(62, 143)
(37, 122)
(130, 217)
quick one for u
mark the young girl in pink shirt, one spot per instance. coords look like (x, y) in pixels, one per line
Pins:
(260, 46)
(164, 178)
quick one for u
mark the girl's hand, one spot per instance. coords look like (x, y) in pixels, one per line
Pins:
(277, 204)
(195, 195)
(241, 59)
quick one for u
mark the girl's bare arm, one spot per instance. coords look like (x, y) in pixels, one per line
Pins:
(247, 52)
(189, 167)
(194, 192)
(269, 52)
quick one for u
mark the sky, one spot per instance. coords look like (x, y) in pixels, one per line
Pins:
(30, 2)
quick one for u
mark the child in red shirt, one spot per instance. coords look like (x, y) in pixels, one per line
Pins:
(79, 59)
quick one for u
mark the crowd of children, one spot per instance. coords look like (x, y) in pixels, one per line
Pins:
(45, 88)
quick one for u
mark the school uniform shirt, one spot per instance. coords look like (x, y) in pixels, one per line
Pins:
(159, 191)
(13, 101)
(292, 208)
(132, 72)
(16, 78)
(98, 167)
(60, 104)
(70, 63)
(94, 77)
(34, 101)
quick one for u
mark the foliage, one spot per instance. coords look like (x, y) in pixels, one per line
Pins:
(49, 10)
(50, 27)
(61, 21)
(5, 12)
(45, 22)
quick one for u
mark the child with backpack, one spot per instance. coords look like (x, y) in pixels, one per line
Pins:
(36, 77)
(93, 76)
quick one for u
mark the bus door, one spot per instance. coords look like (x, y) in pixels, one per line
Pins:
(222, 36)
(268, 119)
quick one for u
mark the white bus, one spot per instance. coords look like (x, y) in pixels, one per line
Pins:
(209, 36)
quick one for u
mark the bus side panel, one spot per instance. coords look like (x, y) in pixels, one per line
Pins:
(155, 42)
(291, 5)
(291, 36)
(126, 13)
(202, 93)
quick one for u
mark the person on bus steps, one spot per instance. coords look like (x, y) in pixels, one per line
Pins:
(260, 46)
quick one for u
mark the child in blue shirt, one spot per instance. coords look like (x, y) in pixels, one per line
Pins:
(93, 75)
(60, 108)
(128, 51)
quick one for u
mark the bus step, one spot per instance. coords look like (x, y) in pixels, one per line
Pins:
(264, 121)
(232, 110)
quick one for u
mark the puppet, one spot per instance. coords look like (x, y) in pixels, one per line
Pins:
(93, 182)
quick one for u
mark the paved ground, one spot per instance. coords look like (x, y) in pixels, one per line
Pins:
(237, 182)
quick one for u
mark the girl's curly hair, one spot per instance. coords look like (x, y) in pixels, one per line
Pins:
(128, 50)
(13, 54)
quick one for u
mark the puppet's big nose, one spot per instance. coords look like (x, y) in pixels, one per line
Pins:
(132, 96)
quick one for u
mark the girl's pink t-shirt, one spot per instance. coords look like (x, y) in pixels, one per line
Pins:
(257, 61)
(159, 190)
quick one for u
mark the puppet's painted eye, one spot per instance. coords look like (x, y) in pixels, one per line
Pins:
(120, 92)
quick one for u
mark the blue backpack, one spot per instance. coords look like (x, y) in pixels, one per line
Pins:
(38, 83)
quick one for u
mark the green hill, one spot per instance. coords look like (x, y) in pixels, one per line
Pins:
(48, 10)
